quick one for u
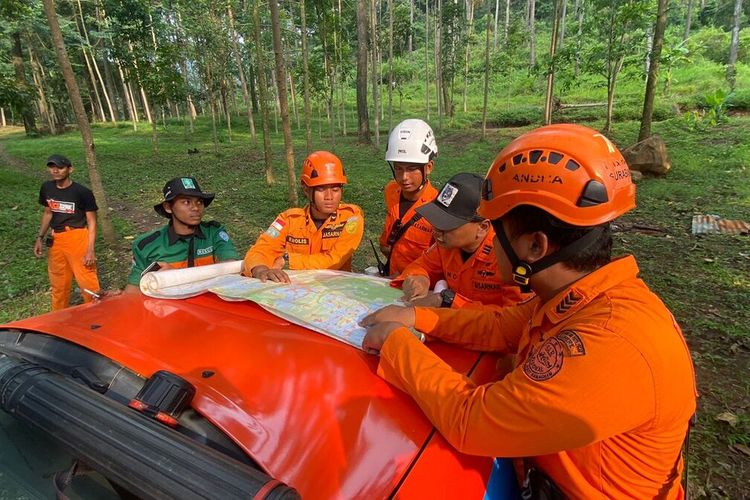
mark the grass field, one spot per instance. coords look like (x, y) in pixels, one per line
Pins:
(704, 280)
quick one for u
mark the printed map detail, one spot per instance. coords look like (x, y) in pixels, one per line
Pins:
(329, 302)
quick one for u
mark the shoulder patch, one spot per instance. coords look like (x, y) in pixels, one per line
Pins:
(546, 360)
(351, 224)
(147, 239)
(568, 302)
(223, 235)
(276, 227)
(572, 343)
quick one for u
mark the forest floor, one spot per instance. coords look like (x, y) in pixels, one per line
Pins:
(704, 280)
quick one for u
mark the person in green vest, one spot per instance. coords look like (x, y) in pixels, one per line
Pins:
(186, 241)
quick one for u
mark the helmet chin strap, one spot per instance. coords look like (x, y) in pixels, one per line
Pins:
(522, 270)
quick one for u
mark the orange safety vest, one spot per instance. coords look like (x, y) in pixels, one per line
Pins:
(599, 400)
(477, 280)
(294, 232)
(417, 238)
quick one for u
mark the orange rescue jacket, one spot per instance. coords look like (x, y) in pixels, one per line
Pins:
(599, 400)
(475, 281)
(417, 238)
(293, 232)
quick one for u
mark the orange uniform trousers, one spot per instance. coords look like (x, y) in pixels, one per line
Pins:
(600, 398)
(64, 261)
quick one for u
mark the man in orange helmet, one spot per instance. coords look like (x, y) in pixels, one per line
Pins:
(322, 235)
(603, 388)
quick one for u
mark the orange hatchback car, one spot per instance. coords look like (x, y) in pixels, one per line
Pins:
(206, 398)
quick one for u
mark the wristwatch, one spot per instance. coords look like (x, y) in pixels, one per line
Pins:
(447, 295)
(286, 260)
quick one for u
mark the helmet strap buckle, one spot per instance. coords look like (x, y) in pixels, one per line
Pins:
(521, 273)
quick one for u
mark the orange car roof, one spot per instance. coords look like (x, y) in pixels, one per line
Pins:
(309, 409)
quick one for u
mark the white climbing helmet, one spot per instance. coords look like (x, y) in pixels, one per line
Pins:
(411, 141)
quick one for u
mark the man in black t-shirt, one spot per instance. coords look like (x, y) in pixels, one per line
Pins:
(70, 211)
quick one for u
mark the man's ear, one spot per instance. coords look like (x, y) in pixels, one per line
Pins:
(167, 207)
(533, 246)
(308, 192)
(482, 229)
(428, 168)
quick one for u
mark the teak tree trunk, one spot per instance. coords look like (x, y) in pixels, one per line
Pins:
(306, 79)
(283, 105)
(243, 81)
(375, 82)
(363, 130)
(653, 70)
(29, 121)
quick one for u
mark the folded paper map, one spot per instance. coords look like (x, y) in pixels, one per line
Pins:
(328, 302)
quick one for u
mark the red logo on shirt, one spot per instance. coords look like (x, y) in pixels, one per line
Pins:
(61, 207)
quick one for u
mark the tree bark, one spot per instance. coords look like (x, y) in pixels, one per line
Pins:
(283, 106)
(579, 36)
(563, 16)
(688, 20)
(552, 50)
(306, 79)
(92, 54)
(243, 81)
(653, 71)
(736, 19)
(411, 27)
(44, 108)
(97, 187)
(375, 82)
(486, 78)
(390, 64)
(496, 19)
(29, 121)
(468, 51)
(128, 97)
(427, 58)
(532, 33)
(363, 128)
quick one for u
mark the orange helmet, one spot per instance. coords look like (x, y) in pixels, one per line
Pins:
(571, 172)
(321, 168)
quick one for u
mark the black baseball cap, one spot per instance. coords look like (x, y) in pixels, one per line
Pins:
(187, 186)
(58, 161)
(456, 204)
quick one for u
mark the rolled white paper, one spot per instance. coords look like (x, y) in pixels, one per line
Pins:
(152, 282)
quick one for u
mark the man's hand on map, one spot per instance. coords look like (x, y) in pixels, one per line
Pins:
(431, 300)
(390, 314)
(264, 273)
(415, 287)
(377, 334)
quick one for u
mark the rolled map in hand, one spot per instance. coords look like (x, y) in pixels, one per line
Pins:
(152, 282)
